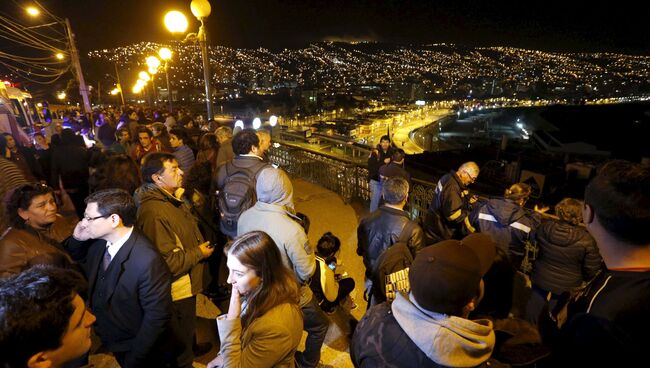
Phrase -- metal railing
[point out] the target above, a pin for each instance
(348, 179)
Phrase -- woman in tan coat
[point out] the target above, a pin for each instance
(263, 326)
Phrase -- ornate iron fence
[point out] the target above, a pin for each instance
(348, 179)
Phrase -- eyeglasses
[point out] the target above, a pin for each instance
(471, 178)
(90, 219)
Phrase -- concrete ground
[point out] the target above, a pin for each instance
(327, 212)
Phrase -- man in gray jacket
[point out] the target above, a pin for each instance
(273, 214)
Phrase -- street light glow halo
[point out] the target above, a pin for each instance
(273, 120)
(257, 123)
(176, 22)
(201, 8)
(33, 11)
(153, 62)
(165, 53)
(144, 76)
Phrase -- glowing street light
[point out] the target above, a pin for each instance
(165, 53)
(144, 76)
(257, 123)
(239, 124)
(273, 120)
(176, 22)
(61, 95)
(33, 11)
(153, 62)
(60, 56)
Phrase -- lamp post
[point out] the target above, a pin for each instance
(176, 22)
(166, 55)
(153, 63)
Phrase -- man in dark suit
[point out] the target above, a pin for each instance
(129, 282)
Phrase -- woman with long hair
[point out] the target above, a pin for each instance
(208, 149)
(264, 324)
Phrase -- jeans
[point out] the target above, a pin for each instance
(316, 324)
(375, 194)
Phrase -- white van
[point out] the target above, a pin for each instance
(18, 115)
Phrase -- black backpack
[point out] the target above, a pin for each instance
(393, 265)
(237, 195)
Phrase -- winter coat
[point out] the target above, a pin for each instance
(447, 217)
(507, 223)
(23, 248)
(269, 341)
(381, 229)
(567, 256)
(171, 227)
(290, 238)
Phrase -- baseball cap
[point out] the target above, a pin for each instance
(445, 276)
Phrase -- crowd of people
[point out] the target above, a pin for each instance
(119, 239)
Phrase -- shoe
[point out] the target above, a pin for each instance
(202, 348)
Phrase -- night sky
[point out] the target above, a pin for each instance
(547, 25)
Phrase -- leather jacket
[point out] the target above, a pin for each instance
(381, 229)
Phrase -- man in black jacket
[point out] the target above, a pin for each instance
(378, 157)
(382, 228)
(129, 282)
(448, 213)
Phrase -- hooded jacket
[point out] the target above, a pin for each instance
(506, 222)
(171, 227)
(567, 256)
(405, 335)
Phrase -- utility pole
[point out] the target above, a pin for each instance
(202, 36)
(119, 84)
(74, 57)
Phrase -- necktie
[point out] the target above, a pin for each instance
(107, 259)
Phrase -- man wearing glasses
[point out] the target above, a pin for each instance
(451, 204)
(129, 281)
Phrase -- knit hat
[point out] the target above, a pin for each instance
(445, 276)
(274, 187)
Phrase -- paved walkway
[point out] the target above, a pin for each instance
(327, 212)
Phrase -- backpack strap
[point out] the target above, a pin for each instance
(406, 232)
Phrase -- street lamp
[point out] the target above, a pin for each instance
(176, 22)
(59, 56)
(166, 55)
(74, 53)
(61, 96)
(153, 63)
(33, 11)
(273, 121)
(257, 123)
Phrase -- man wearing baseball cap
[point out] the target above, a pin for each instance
(428, 327)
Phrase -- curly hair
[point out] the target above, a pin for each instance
(21, 198)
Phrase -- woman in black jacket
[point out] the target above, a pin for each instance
(568, 257)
